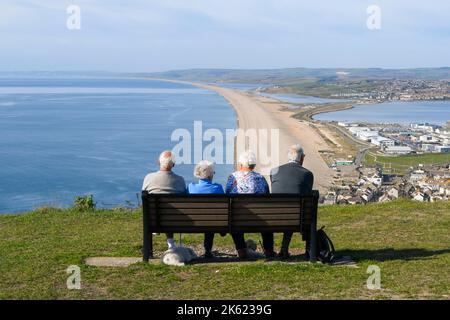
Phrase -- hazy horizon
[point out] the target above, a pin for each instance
(212, 68)
(161, 35)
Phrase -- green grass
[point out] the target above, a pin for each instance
(401, 164)
(409, 241)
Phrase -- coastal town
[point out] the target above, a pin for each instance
(362, 185)
(397, 139)
(394, 90)
(382, 181)
(378, 162)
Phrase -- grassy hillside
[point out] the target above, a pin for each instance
(297, 75)
(409, 241)
(402, 164)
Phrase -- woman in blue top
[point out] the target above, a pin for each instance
(204, 171)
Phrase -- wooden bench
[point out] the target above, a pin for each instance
(230, 213)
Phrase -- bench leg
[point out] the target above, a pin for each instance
(313, 242)
(150, 254)
(147, 245)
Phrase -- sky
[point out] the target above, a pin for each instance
(158, 35)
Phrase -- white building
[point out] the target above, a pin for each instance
(398, 150)
(382, 142)
(375, 180)
(367, 135)
(427, 138)
(422, 127)
(355, 130)
(444, 191)
(443, 149)
(428, 147)
(393, 193)
(417, 175)
(419, 196)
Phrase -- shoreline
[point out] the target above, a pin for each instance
(258, 112)
(336, 108)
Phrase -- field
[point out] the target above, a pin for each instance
(401, 164)
(409, 241)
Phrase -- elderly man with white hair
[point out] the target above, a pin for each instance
(204, 171)
(165, 181)
(291, 177)
(245, 180)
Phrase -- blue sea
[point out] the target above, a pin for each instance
(403, 112)
(60, 138)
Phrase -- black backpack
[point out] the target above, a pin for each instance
(325, 247)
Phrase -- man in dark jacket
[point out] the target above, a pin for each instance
(291, 177)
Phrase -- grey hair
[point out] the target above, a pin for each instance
(204, 170)
(295, 153)
(247, 159)
(166, 159)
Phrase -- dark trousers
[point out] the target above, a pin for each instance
(208, 242)
(267, 241)
(287, 236)
(238, 239)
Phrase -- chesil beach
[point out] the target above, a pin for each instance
(259, 112)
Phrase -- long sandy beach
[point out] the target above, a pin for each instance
(257, 112)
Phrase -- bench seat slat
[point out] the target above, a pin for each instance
(183, 211)
(251, 229)
(195, 199)
(224, 229)
(190, 229)
(189, 205)
(251, 205)
(241, 211)
(276, 217)
(266, 223)
(199, 217)
(253, 200)
(191, 217)
(162, 224)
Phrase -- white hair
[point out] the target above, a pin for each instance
(166, 159)
(247, 159)
(295, 153)
(204, 169)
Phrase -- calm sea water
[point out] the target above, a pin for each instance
(436, 112)
(60, 138)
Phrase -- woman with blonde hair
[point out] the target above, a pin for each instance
(204, 171)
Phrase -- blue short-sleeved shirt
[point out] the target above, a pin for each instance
(205, 186)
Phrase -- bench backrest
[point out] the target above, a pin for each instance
(197, 213)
